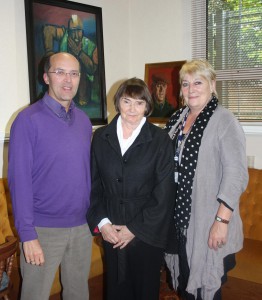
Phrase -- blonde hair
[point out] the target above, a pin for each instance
(199, 67)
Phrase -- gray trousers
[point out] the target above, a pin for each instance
(70, 247)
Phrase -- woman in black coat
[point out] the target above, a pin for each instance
(132, 196)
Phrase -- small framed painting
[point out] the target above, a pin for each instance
(163, 82)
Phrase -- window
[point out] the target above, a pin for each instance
(229, 34)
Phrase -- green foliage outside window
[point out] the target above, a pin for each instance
(234, 48)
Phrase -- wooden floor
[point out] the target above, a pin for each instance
(234, 289)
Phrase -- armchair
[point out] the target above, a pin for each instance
(7, 254)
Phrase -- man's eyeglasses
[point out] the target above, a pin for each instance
(63, 73)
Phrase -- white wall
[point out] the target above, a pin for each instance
(158, 33)
(254, 150)
(135, 33)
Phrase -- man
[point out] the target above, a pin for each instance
(49, 179)
(162, 108)
(72, 40)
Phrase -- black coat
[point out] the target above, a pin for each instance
(136, 189)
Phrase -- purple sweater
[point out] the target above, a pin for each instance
(49, 167)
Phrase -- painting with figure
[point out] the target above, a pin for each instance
(163, 82)
(64, 26)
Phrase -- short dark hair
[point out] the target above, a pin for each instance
(47, 63)
(135, 88)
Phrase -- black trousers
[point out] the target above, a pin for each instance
(140, 279)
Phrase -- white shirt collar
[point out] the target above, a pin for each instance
(126, 143)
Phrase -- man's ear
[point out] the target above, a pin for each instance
(46, 78)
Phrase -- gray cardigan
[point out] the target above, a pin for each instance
(221, 173)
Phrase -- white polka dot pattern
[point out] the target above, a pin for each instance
(189, 160)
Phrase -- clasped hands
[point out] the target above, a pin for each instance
(119, 235)
(74, 47)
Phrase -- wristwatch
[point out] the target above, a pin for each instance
(217, 218)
